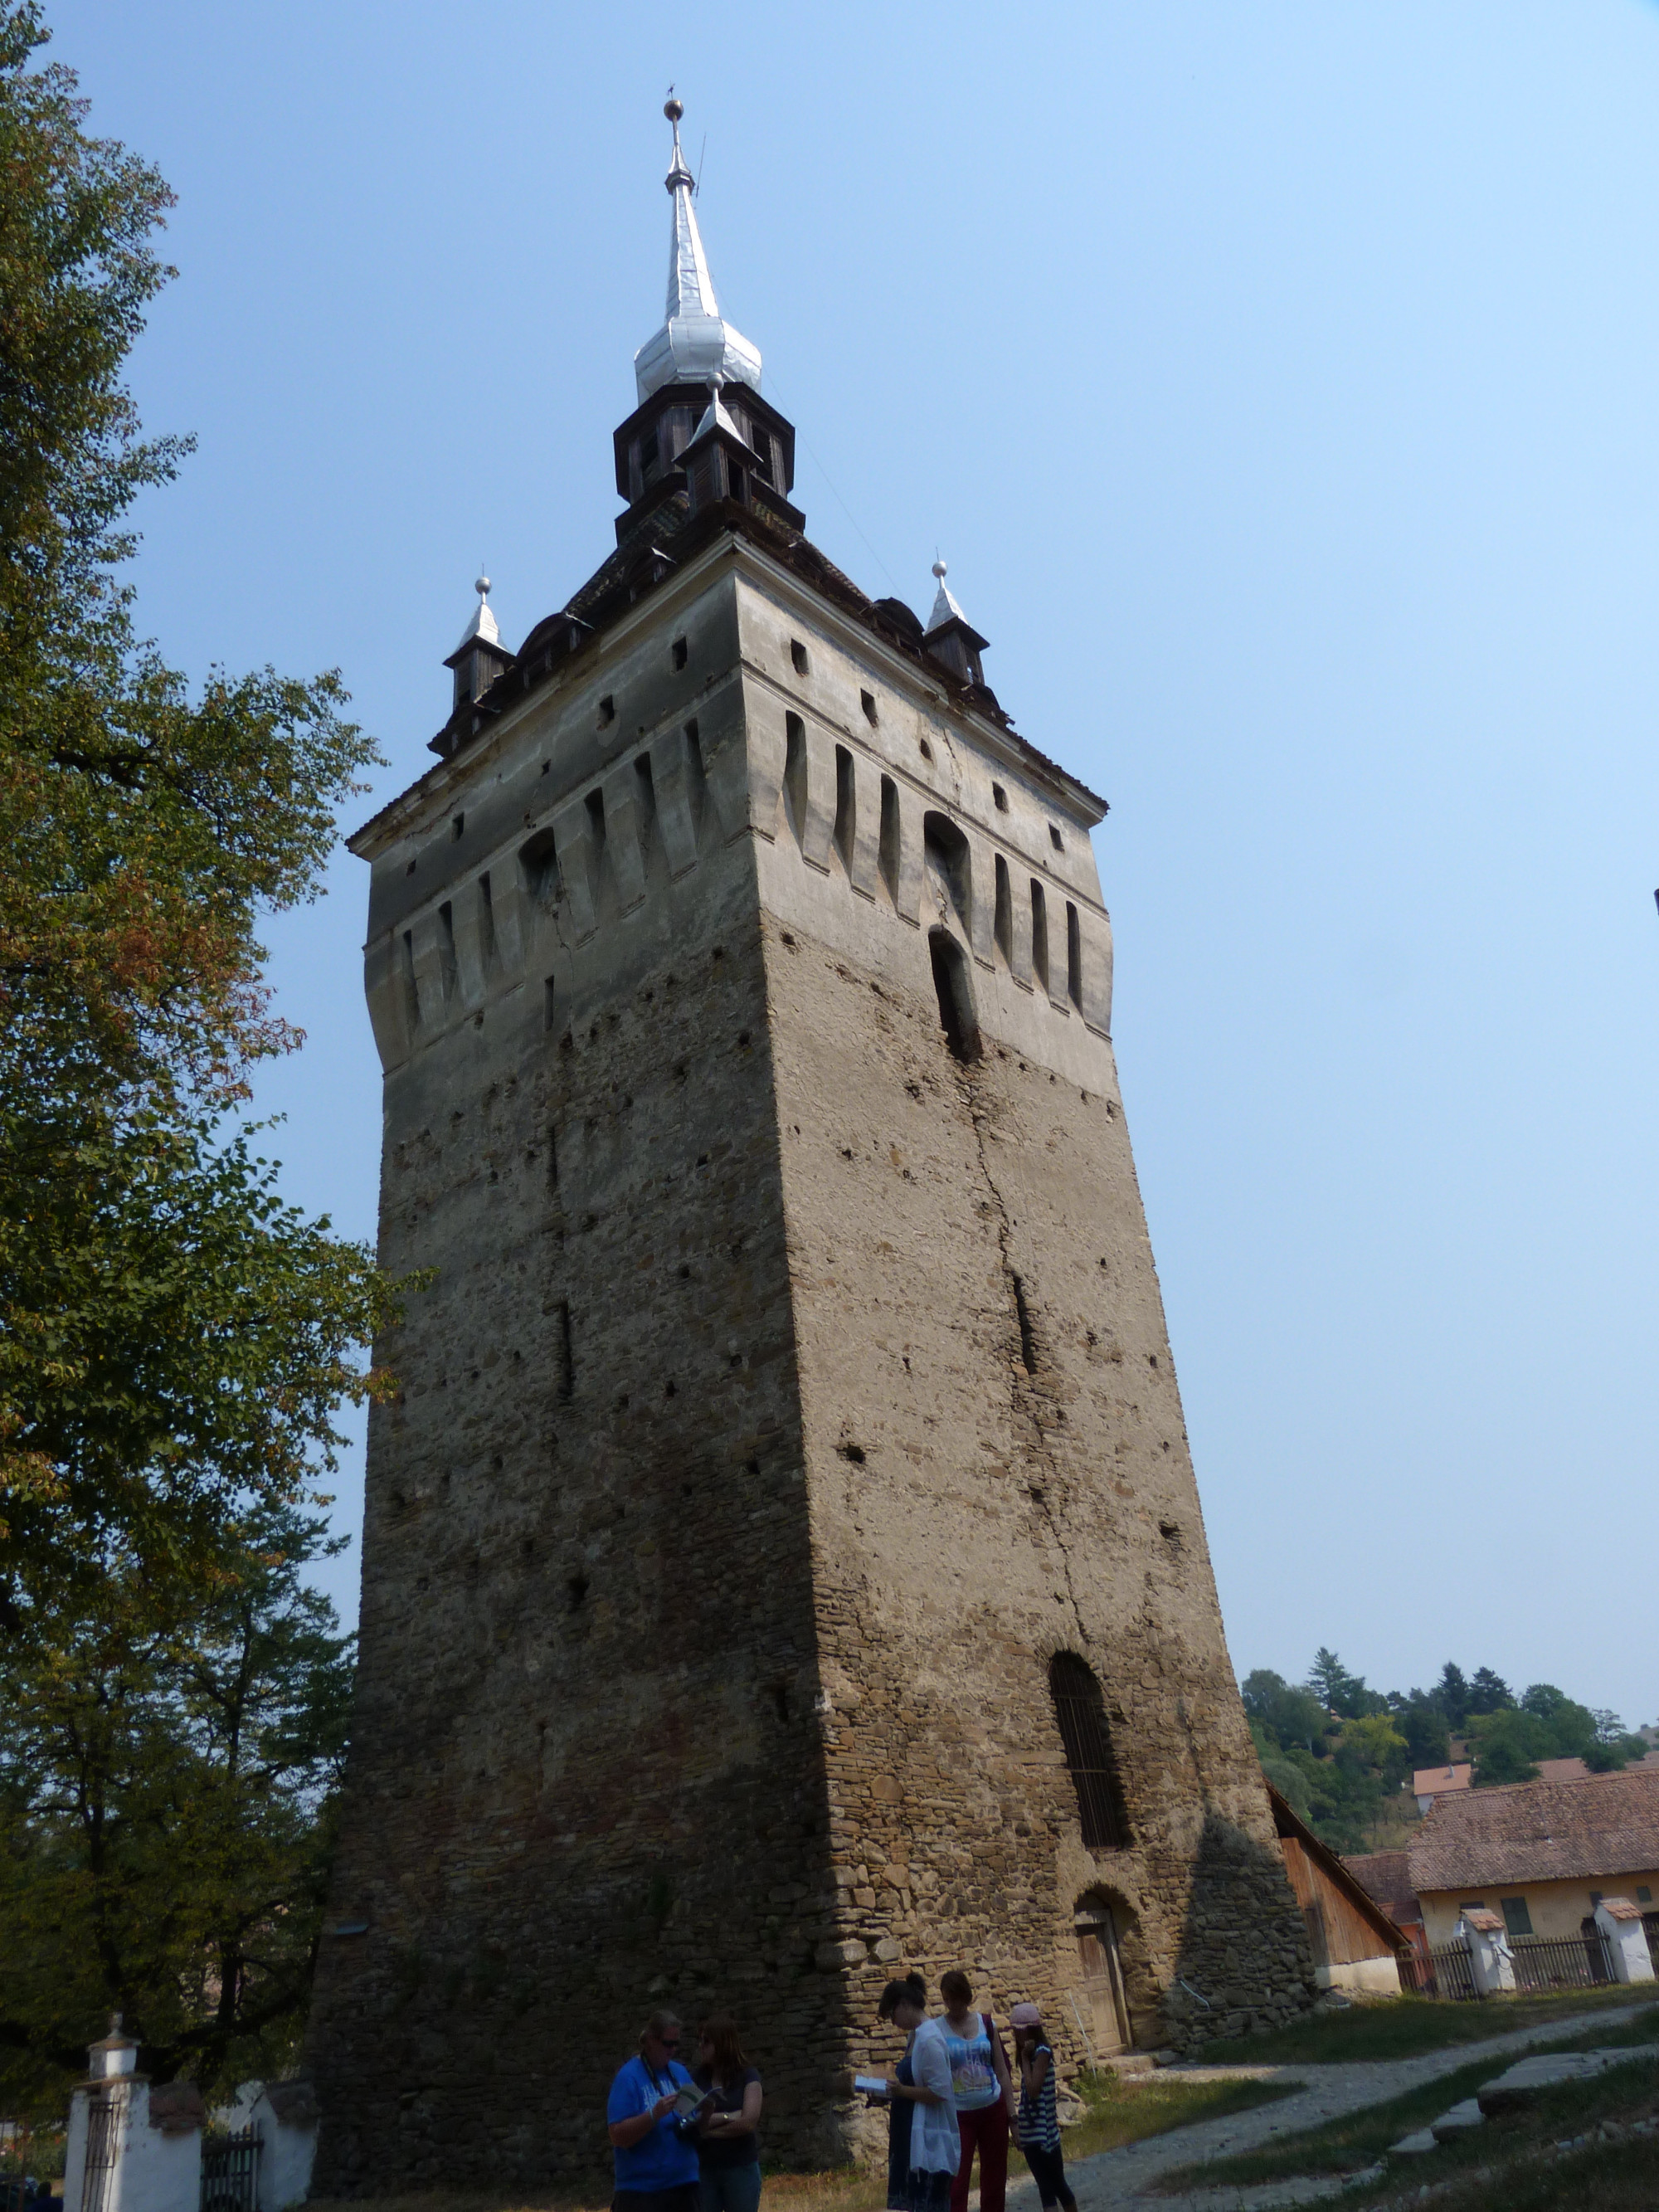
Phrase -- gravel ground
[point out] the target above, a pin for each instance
(1118, 2180)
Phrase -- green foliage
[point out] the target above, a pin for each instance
(1293, 1716)
(175, 1340)
(1339, 1752)
(166, 1773)
(145, 832)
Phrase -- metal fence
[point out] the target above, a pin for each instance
(230, 2172)
(103, 2121)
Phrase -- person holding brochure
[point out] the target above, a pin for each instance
(656, 2160)
(935, 2144)
(911, 1991)
(728, 2147)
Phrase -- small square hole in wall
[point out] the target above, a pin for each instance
(457, 825)
(798, 654)
(1000, 797)
(679, 652)
(867, 701)
(927, 751)
(409, 870)
(607, 710)
(1055, 838)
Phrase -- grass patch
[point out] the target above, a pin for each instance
(1124, 2109)
(1401, 2027)
(1511, 2164)
(1359, 2139)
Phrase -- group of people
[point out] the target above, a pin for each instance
(688, 2140)
(953, 2095)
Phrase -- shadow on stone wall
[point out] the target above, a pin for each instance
(1244, 1964)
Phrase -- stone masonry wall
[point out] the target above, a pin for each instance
(731, 1509)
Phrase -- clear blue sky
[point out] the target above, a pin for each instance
(1280, 384)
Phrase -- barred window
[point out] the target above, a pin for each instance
(1080, 1713)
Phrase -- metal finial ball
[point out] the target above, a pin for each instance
(481, 586)
(940, 570)
(672, 109)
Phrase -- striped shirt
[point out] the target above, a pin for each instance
(1037, 2121)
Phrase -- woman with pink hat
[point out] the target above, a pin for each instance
(1037, 2123)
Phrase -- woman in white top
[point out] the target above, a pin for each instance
(935, 2138)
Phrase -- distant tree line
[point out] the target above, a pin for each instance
(1337, 1751)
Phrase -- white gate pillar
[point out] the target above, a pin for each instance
(1620, 1923)
(285, 2120)
(1491, 1960)
(131, 2149)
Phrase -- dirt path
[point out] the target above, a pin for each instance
(1117, 2180)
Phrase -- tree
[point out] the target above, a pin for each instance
(145, 832)
(178, 1341)
(1373, 1743)
(1293, 1716)
(1451, 1694)
(1507, 1744)
(165, 1784)
(1423, 1725)
(1488, 1692)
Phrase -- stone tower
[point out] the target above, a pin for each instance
(783, 1558)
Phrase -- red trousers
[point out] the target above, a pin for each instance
(986, 2131)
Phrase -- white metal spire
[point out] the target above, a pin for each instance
(482, 623)
(944, 606)
(694, 344)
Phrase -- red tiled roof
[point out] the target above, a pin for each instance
(1605, 1824)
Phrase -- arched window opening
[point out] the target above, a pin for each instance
(956, 996)
(1080, 1713)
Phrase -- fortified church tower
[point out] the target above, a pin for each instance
(783, 1558)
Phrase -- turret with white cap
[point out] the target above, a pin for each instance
(950, 636)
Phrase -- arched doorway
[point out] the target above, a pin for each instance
(1100, 1955)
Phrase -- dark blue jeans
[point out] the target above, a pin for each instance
(731, 2188)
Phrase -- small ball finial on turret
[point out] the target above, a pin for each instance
(941, 570)
(672, 107)
(481, 586)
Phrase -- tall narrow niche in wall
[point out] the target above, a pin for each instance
(647, 792)
(447, 949)
(1039, 933)
(1003, 926)
(955, 991)
(794, 774)
(1080, 1716)
(845, 807)
(486, 922)
(945, 856)
(1073, 957)
(888, 853)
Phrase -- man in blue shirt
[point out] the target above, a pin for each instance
(656, 2164)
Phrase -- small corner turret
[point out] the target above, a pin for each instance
(476, 661)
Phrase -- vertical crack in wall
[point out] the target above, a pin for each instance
(1021, 1398)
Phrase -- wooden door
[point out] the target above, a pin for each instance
(1103, 1982)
